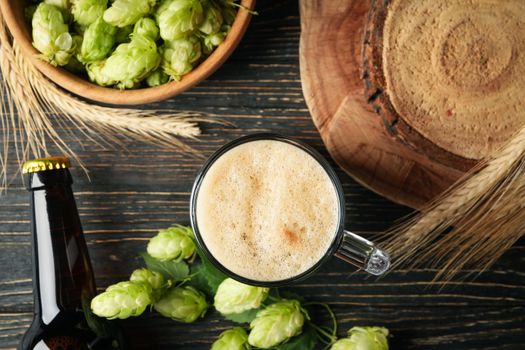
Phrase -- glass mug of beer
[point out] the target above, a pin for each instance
(268, 210)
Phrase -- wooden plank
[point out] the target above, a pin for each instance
(336, 283)
(480, 328)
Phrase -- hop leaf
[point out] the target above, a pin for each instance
(157, 78)
(234, 297)
(86, 12)
(183, 304)
(156, 281)
(175, 243)
(212, 18)
(179, 18)
(206, 277)
(178, 56)
(98, 41)
(146, 27)
(307, 340)
(51, 35)
(125, 12)
(363, 338)
(128, 65)
(176, 271)
(232, 339)
(122, 300)
(276, 324)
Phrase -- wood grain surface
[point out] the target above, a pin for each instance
(136, 191)
(337, 78)
(462, 136)
(344, 70)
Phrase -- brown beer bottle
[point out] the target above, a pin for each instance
(63, 282)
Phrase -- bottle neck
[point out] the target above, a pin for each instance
(63, 278)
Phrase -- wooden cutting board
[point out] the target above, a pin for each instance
(344, 88)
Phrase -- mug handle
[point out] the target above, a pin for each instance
(363, 254)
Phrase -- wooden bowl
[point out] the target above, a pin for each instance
(13, 12)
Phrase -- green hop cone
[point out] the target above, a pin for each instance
(210, 42)
(232, 339)
(63, 4)
(122, 300)
(99, 39)
(276, 324)
(179, 56)
(175, 243)
(212, 18)
(86, 12)
(98, 73)
(233, 297)
(183, 304)
(156, 281)
(153, 278)
(343, 344)
(125, 12)
(77, 42)
(363, 338)
(74, 65)
(157, 78)
(128, 65)
(51, 35)
(146, 27)
(179, 18)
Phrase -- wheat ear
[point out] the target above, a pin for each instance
(486, 210)
(32, 106)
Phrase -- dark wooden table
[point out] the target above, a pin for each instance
(137, 191)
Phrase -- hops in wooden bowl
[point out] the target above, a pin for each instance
(127, 51)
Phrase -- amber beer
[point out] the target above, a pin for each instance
(272, 218)
(63, 279)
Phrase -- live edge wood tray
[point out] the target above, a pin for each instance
(408, 95)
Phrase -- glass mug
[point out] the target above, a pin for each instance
(345, 245)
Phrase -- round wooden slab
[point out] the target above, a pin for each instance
(398, 156)
(447, 77)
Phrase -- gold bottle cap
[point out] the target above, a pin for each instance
(44, 164)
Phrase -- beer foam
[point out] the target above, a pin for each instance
(267, 210)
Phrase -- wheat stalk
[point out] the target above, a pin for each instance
(32, 105)
(97, 120)
(486, 209)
